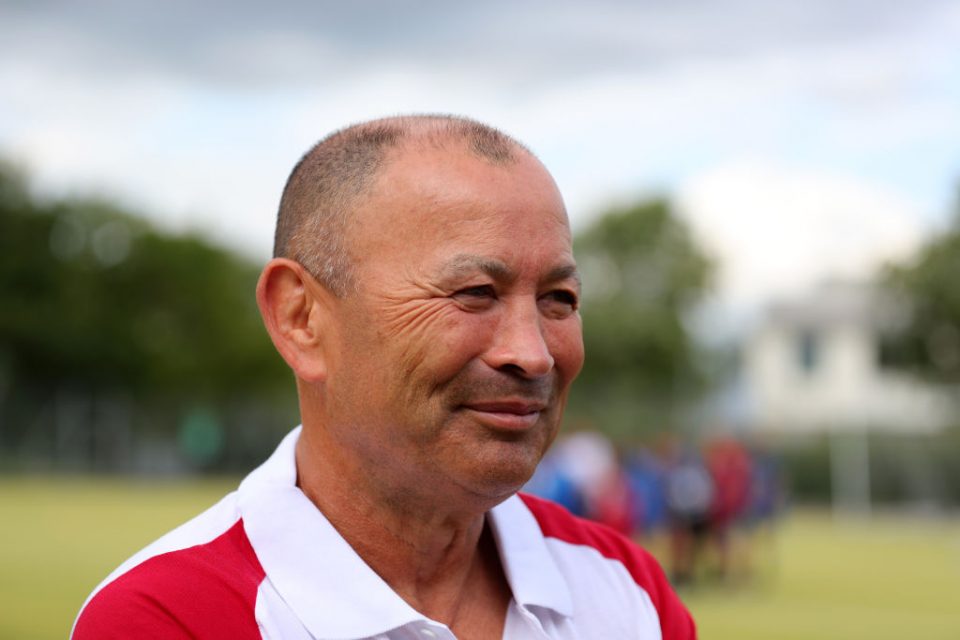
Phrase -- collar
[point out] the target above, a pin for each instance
(332, 590)
(534, 577)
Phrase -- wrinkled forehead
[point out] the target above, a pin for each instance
(432, 200)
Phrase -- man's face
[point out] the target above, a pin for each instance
(459, 347)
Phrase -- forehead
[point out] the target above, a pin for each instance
(431, 200)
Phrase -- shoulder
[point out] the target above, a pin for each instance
(558, 523)
(207, 589)
(595, 547)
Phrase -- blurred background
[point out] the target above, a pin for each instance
(767, 216)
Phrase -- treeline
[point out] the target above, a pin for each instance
(643, 275)
(927, 341)
(102, 314)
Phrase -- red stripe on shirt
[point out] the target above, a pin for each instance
(207, 591)
(556, 522)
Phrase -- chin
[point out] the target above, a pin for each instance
(505, 475)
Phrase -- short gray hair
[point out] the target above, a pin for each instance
(324, 186)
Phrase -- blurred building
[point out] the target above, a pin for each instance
(816, 364)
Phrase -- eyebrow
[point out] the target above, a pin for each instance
(565, 272)
(465, 263)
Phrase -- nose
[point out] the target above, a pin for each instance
(519, 346)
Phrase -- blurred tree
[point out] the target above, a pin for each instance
(642, 274)
(927, 340)
(93, 293)
(93, 298)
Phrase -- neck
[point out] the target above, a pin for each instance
(441, 561)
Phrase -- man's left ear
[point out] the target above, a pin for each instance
(296, 313)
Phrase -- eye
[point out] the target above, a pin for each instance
(476, 297)
(559, 303)
(479, 291)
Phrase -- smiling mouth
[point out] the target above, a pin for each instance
(507, 415)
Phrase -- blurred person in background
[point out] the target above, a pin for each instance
(731, 471)
(424, 293)
(689, 493)
(645, 475)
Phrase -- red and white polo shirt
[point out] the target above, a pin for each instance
(265, 563)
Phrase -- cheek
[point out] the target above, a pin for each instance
(565, 341)
(453, 346)
(439, 344)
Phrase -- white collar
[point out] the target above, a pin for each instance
(332, 590)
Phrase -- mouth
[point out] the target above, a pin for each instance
(507, 415)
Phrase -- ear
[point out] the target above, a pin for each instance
(296, 312)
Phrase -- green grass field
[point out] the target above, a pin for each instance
(891, 577)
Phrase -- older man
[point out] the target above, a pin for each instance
(425, 295)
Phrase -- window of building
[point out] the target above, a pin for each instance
(808, 351)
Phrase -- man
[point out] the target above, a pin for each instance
(425, 295)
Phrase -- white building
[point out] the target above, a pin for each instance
(814, 365)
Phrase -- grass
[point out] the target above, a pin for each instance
(60, 537)
(887, 577)
(816, 578)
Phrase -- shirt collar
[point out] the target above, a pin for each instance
(333, 591)
(529, 566)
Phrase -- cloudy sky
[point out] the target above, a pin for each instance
(801, 139)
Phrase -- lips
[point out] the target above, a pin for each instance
(507, 414)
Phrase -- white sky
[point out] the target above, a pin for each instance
(802, 139)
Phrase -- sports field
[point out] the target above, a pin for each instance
(815, 578)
